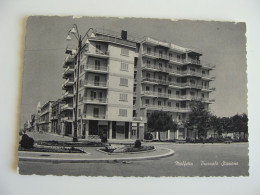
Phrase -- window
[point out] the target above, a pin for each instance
(98, 48)
(147, 88)
(147, 102)
(160, 77)
(80, 83)
(192, 93)
(169, 79)
(79, 112)
(169, 92)
(100, 95)
(123, 97)
(169, 104)
(93, 95)
(124, 67)
(147, 75)
(203, 72)
(148, 62)
(192, 69)
(123, 82)
(124, 52)
(159, 103)
(97, 65)
(178, 80)
(170, 55)
(177, 105)
(177, 92)
(159, 90)
(122, 112)
(170, 66)
(80, 99)
(203, 95)
(160, 65)
(160, 53)
(96, 112)
(148, 50)
(178, 58)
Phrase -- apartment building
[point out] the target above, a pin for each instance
(56, 117)
(45, 117)
(123, 80)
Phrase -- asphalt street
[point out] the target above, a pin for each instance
(189, 160)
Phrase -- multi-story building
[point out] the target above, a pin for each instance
(56, 117)
(45, 117)
(123, 80)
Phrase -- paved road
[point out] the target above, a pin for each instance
(187, 161)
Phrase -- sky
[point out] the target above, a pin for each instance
(222, 43)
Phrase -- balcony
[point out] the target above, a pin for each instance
(97, 53)
(208, 66)
(206, 88)
(191, 85)
(152, 67)
(67, 94)
(99, 101)
(154, 94)
(68, 82)
(175, 60)
(96, 68)
(166, 108)
(155, 55)
(94, 117)
(154, 81)
(69, 60)
(175, 85)
(176, 97)
(95, 84)
(191, 73)
(68, 71)
(174, 72)
(67, 119)
(208, 77)
(192, 61)
(67, 107)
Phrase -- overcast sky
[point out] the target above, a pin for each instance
(222, 43)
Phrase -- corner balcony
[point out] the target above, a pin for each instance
(97, 53)
(192, 61)
(68, 71)
(208, 66)
(67, 107)
(97, 101)
(175, 60)
(155, 55)
(154, 81)
(207, 89)
(191, 73)
(69, 60)
(94, 117)
(154, 94)
(67, 94)
(152, 67)
(68, 82)
(208, 77)
(95, 84)
(96, 68)
(166, 108)
(67, 119)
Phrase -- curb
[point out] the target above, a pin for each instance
(102, 160)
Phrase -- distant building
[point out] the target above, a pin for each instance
(56, 117)
(45, 117)
(123, 80)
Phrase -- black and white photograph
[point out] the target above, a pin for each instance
(146, 97)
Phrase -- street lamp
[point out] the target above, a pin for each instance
(79, 38)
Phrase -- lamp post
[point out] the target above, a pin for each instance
(79, 38)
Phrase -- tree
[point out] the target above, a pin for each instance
(199, 117)
(160, 121)
(215, 124)
(239, 124)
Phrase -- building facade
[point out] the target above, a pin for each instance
(123, 80)
(56, 117)
(45, 117)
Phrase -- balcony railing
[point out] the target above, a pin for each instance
(94, 100)
(68, 82)
(99, 52)
(68, 106)
(69, 69)
(70, 59)
(155, 67)
(67, 118)
(156, 94)
(67, 94)
(167, 108)
(158, 81)
(97, 84)
(96, 68)
(94, 116)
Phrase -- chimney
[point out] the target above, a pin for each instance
(124, 35)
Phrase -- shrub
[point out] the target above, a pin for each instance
(138, 143)
(148, 136)
(26, 142)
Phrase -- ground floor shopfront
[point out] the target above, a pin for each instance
(109, 129)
